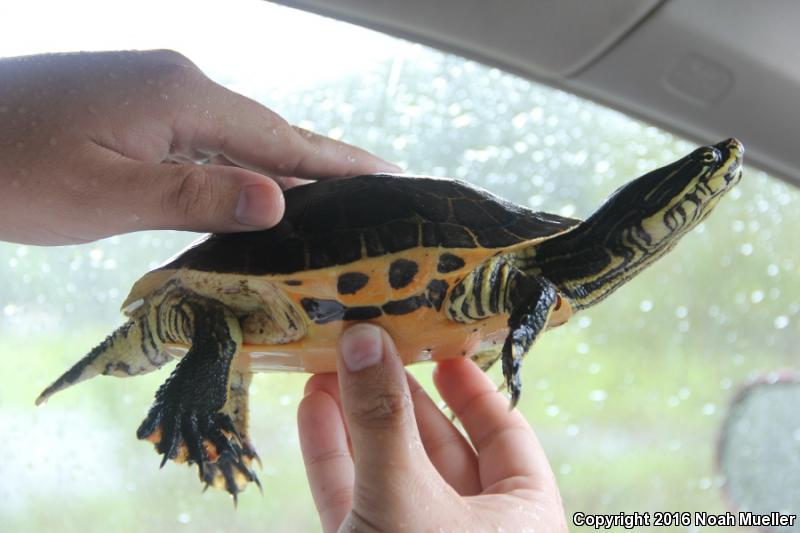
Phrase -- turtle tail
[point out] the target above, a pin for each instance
(130, 350)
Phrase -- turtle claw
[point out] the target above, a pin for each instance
(224, 459)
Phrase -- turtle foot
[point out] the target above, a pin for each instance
(210, 440)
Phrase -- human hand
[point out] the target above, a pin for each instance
(84, 139)
(381, 456)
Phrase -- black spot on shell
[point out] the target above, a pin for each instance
(293, 282)
(437, 289)
(406, 305)
(402, 272)
(322, 311)
(449, 262)
(361, 313)
(351, 282)
(325, 311)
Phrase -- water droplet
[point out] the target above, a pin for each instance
(552, 410)
(673, 401)
(645, 306)
(709, 409)
(756, 296)
(746, 249)
(602, 167)
(184, 518)
(567, 211)
(598, 395)
(781, 321)
(351, 159)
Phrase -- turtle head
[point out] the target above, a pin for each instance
(640, 222)
(676, 198)
(655, 210)
(719, 170)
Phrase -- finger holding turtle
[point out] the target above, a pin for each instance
(407, 457)
(97, 144)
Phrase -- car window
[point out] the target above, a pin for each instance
(627, 398)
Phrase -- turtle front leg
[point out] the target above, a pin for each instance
(495, 287)
(537, 297)
(192, 418)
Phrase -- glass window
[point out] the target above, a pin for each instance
(627, 398)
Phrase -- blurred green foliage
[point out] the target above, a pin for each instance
(627, 398)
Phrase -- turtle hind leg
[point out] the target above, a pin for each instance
(130, 350)
(227, 472)
(189, 422)
(526, 322)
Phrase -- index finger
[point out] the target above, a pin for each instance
(252, 136)
(509, 454)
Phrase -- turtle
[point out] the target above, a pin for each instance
(449, 269)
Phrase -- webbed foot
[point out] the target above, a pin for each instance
(210, 440)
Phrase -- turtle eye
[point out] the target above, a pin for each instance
(711, 156)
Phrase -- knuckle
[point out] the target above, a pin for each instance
(171, 70)
(191, 193)
(166, 55)
(385, 409)
(335, 498)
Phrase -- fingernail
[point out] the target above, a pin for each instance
(361, 347)
(256, 206)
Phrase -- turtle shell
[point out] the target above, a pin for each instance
(336, 222)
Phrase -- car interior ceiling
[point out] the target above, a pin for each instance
(705, 70)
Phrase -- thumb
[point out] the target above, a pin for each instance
(213, 198)
(387, 450)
